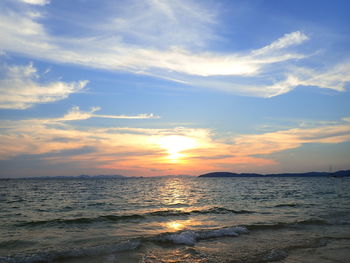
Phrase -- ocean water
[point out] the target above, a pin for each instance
(175, 219)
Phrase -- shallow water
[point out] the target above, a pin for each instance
(176, 219)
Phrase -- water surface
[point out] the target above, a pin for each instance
(176, 219)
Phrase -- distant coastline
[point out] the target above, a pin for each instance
(83, 176)
(341, 173)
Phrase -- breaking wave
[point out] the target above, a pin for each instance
(184, 237)
(187, 237)
(190, 237)
(133, 217)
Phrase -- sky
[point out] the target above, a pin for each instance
(160, 87)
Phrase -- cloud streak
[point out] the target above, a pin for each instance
(20, 88)
(334, 78)
(35, 2)
(268, 143)
(76, 114)
(140, 42)
(291, 39)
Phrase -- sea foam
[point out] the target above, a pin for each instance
(190, 237)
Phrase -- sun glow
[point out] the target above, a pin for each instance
(175, 145)
(175, 225)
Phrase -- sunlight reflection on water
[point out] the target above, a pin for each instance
(175, 225)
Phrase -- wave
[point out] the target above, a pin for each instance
(15, 243)
(221, 210)
(168, 213)
(190, 237)
(187, 237)
(15, 201)
(72, 253)
(314, 222)
(280, 225)
(116, 218)
(293, 205)
(184, 237)
(288, 205)
(213, 210)
(82, 220)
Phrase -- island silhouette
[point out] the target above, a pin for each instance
(341, 173)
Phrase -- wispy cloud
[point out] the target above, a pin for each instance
(347, 119)
(149, 45)
(154, 38)
(160, 24)
(334, 78)
(36, 2)
(291, 39)
(20, 88)
(271, 142)
(76, 114)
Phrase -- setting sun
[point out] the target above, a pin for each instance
(176, 144)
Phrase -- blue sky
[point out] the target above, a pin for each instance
(161, 87)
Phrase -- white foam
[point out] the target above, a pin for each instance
(191, 237)
(186, 238)
(219, 233)
(276, 255)
(240, 229)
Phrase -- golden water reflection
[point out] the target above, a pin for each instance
(176, 193)
(175, 226)
(178, 225)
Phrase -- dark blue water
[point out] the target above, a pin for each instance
(176, 219)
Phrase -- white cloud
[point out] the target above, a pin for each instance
(154, 38)
(167, 50)
(271, 142)
(334, 78)
(76, 114)
(139, 116)
(20, 32)
(20, 88)
(111, 54)
(294, 38)
(36, 2)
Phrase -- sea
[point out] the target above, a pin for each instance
(175, 219)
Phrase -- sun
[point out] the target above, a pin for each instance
(175, 145)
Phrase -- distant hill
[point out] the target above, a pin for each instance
(308, 174)
(341, 173)
(83, 176)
